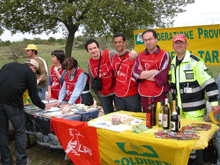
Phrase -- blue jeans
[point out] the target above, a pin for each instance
(107, 103)
(41, 92)
(17, 117)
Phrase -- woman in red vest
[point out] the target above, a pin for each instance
(54, 80)
(75, 89)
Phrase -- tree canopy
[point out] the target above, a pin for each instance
(98, 17)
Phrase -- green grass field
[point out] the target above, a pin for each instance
(80, 55)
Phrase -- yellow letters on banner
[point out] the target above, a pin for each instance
(203, 41)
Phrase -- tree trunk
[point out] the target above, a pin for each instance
(70, 40)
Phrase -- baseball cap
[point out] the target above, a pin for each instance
(31, 47)
(179, 37)
(33, 62)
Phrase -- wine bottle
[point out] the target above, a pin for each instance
(153, 112)
(174, 124)
(166, 114)
(149, 119)
(178, 113)
(157, 112)
(160, 121)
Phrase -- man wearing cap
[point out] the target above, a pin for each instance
(151, 70)
(15, 78)
(189, 80)
(42, 72)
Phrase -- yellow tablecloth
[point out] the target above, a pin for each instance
(130, 148)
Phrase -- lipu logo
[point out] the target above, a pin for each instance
(142, 150)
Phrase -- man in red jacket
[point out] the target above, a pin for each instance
(126, 88)
(151, 70)
(106, 74)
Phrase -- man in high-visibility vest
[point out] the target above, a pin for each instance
(189, 80)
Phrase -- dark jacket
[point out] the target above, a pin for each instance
(15, 78)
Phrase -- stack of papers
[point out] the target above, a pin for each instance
(126, 122)
(108, 125)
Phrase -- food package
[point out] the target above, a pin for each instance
(66, 110)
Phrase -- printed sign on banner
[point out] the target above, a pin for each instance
(203, 41)
(78, 140)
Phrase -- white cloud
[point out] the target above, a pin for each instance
(202, 12)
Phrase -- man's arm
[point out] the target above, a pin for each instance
(139, 72)
(133, 55)
(207, 82)
(62, 93)
(218, 83)
(161, 77)
(42, 69)
(32, 90)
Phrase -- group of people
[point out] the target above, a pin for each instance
(125, 79)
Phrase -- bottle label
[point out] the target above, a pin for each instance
(148, 118)
(160, 119)
(173, 126)
(165, 120)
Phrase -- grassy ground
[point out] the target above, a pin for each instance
(44, 155)
(41, 155)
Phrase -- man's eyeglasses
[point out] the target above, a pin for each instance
(149, 39)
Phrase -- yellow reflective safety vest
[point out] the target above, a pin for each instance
(189, 81)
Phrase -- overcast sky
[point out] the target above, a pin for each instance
(202, 12)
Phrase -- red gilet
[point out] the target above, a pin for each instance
(55, 83)
(150, 61)
(125, 84)
(70, 85)
(106, 73)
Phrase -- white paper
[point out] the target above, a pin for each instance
(108, 125)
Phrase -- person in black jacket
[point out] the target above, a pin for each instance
(15, 78)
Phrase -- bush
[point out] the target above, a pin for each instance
(47, 43)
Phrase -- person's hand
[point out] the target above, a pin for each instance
(216, 109)
(55, 69)
(65, 105)
(140, 67)
(56, 104)
(133, 55)
(48, 96)
(48, 106)
(151, 79)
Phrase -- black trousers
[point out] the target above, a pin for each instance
(17, 117)
(131, 103)
(198, 160)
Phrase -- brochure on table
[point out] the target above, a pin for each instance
(56, 111)
(126, 122)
